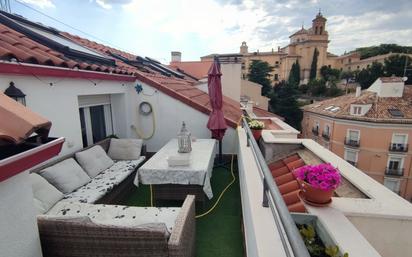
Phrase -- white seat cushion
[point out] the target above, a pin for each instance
(94, 160)
(66, 175)
(45, 194)
(117, 215)
(125, 149)
(104, 182)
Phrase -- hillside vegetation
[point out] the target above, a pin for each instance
(366, 52)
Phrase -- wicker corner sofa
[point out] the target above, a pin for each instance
(80, 237)
(65, 238)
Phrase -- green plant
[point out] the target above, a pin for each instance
(255, 124)
(315, 246)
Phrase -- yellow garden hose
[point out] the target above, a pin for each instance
(222, 193)
(140, 133)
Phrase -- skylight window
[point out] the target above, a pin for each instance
(329, 108)
(396, 113)
(61, 40)
(335, 109)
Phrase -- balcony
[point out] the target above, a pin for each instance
(354, 164)
(326, 135)
(394, 172)
(393, 147)
(315, 131)
(352, 143)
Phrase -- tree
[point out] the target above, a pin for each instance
(329, 74)
(317, 87)
(284, 103)
(314, 65)
(259, 72)
(294, 75)
(367, 76)
(395, 65)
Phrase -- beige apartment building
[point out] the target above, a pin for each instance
(371, 129)
(301, 48)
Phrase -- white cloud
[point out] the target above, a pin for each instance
(104, 4)
(40, 3)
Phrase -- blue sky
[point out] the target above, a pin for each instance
(198, 27)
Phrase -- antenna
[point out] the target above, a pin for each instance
(5, 6)
(406, 64)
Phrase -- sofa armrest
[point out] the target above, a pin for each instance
(182, 240)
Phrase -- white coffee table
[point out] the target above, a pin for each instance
(156, 171)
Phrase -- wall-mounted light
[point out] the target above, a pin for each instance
(15, 93)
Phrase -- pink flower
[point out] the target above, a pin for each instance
(323, 176)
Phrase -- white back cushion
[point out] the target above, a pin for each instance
(45, 194)
(125, 149)
(66, 175)
(94, 160)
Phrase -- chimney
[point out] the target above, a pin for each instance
(358, 91)
(176, 56)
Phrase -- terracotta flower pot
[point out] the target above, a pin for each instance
(316, 195)
(257, 133)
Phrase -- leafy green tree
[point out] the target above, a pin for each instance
(329, 74)
(395, 65)
(367, 76)
(317, 87)
(259, 72)
(284, 103)
(314, 65)
(347, 76)
(294, 75)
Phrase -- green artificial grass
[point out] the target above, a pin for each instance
(219, 233)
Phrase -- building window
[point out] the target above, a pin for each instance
(395, 166)
(95, 118)
(276, 77)
(351, 156)
(399, 143)
(350, 60)
(357, 110)
(393, 184)
(352, 137)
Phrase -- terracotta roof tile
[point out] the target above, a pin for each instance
(377, 113)
(263, 113)
(286, 181)
(16, 45)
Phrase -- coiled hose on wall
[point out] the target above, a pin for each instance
(141, 111)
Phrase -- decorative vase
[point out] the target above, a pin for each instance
(316, 195)
(257, 133)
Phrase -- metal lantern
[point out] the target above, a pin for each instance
(184, 140)
(15, 93)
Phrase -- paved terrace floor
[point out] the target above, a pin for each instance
(218, 233)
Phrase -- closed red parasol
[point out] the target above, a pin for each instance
(216, 123)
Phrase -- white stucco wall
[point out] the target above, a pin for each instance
(59, 104)
(19, 235)
(169, 114)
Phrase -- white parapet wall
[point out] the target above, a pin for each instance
(384, 218)
(19, 236)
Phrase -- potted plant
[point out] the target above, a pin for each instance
(318, 182)
(256, 128)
